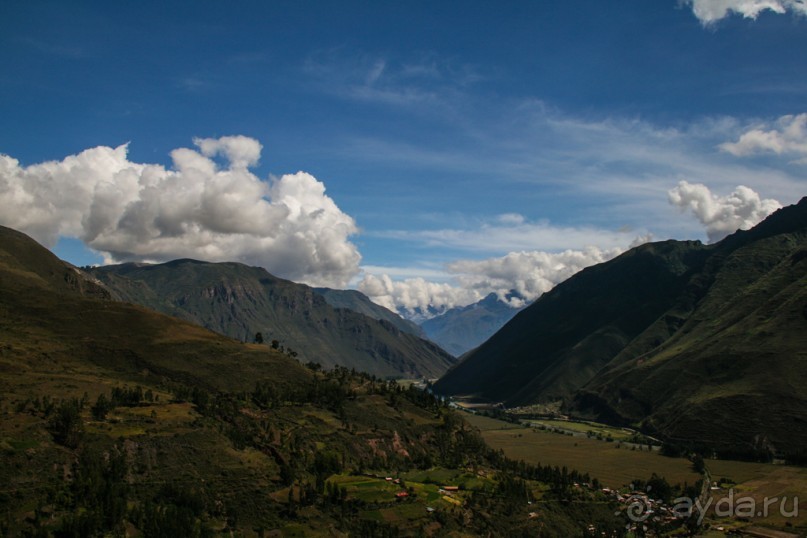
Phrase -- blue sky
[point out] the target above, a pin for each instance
(470, 144)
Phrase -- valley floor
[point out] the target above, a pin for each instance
(617, 464)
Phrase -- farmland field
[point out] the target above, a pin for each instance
(613, 466)
(764, 480)
(618, 434)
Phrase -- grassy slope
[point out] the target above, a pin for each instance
(75, 332)
(739, 357)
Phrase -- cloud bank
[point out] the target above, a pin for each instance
(209, 206)
(528, 273)
(722, 215)
(787, 136)
(711, 11)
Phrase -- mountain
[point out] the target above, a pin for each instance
(696, 343)
(116, 420)
(358, 302)
(461, 329)
(57, 317)
(241, 301)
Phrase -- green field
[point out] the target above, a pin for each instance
(423, 486)
(613, 466)
(617, 434)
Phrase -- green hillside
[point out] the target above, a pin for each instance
(696, 343)
(241, 301)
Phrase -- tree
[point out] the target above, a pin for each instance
(101, 408)
(66, 424)
(258, 338)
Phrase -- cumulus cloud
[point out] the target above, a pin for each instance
(722, 215)
(528, 273)
(710, 11)
(241, 151)
(788, 136)
(415, 295)
(200, 209)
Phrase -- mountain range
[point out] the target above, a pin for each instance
(241, 301)
(461, 329)
(695, 343)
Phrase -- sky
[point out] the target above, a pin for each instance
(425, 153)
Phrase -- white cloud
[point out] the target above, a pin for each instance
(722, 215)
(787, 136)
(528, 273)
(131, 211)
(710, 11)
(241, 151)
(415, 294)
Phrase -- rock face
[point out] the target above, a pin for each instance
(241, 301)
(693, 342)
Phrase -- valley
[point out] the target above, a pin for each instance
(120, 419)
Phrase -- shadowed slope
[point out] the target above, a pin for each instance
(695, 343)
(240, 301)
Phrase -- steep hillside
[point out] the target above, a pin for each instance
(358, 302)
(241, 301)
(735, 371)
(692, 342)
(53, 315)
(556, 345)
(30, 266)
(461, 329)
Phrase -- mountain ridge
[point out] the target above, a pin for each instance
(668, 337)
(241, 301)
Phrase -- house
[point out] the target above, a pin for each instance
(402, 494)
(451, 488)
